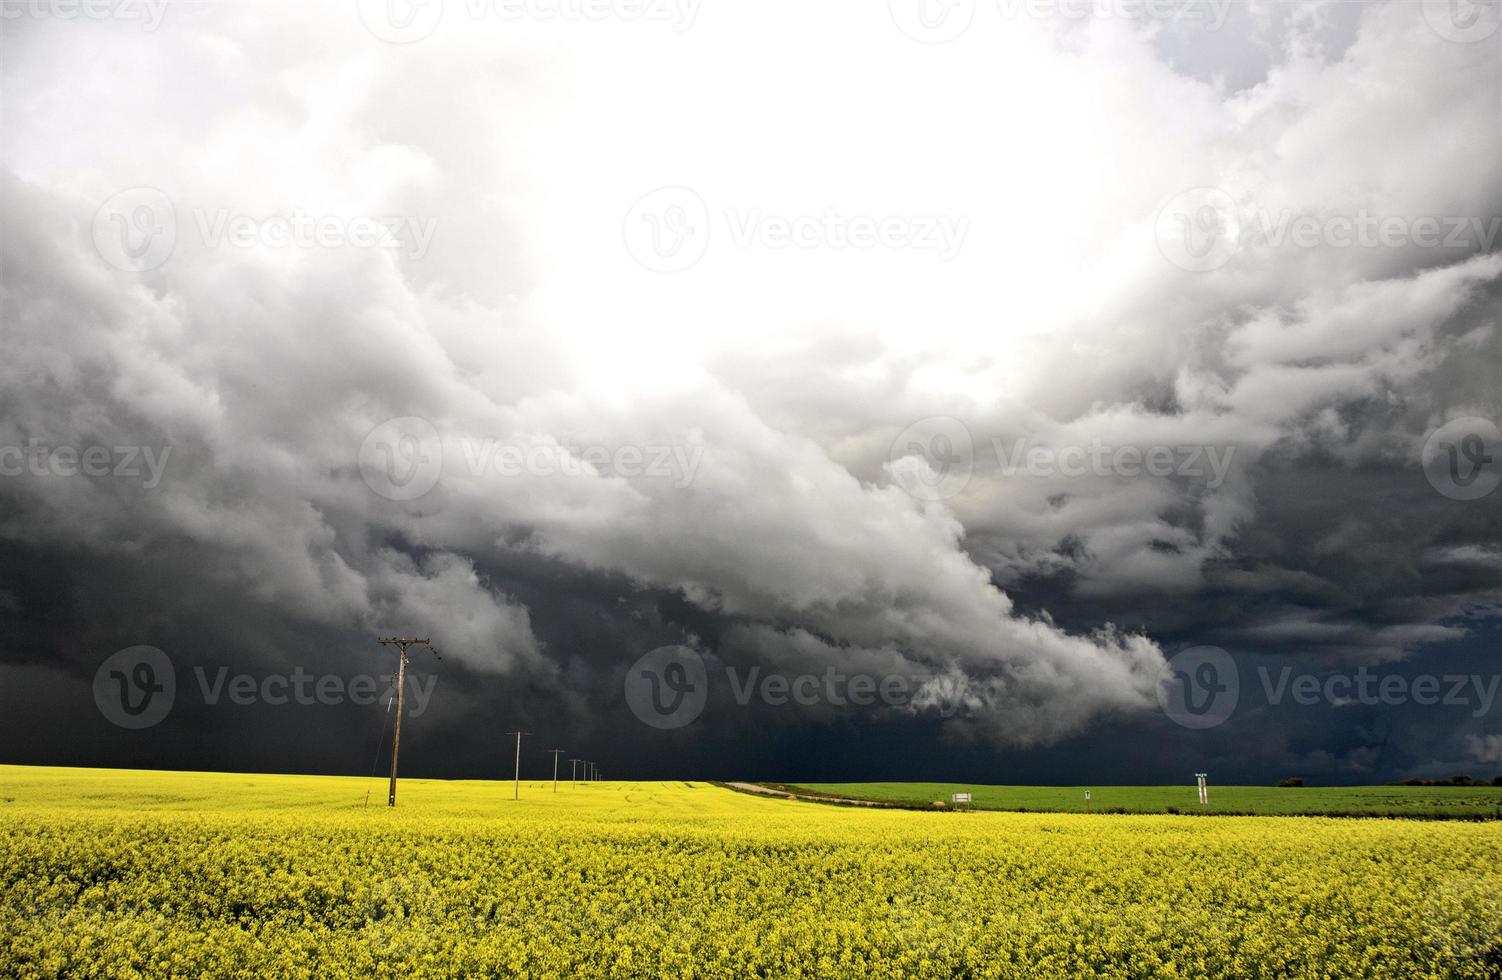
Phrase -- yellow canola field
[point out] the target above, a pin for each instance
(108, 873)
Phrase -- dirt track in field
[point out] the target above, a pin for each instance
(806, 797)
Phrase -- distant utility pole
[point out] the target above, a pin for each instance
(516, 792)
(401, 643)
(556, 754)
(574, 772)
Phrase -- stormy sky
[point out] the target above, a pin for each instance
(1012, 360)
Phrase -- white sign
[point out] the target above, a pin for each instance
(961, 798)
(1087, 794)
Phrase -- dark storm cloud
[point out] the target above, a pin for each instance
(622, 461)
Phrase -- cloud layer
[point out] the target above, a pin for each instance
(759, 510)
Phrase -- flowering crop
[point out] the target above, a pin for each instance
(132, 874)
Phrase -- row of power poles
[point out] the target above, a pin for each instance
(589, 772)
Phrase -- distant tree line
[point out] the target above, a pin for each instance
(1462, 779)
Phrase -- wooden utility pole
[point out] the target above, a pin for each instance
(516, 792)
(401, 644)
(556, 754)
(574, 772)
